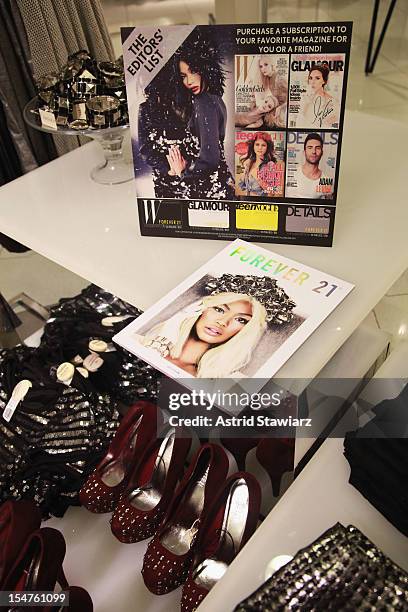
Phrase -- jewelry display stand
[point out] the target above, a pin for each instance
(115, 169)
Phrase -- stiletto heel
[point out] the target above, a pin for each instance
(169, 555)
(142, 506)
(102, 490)
(231, 521)
(18, 519)
(39, 565)
(62, 580)
(239, 448)
(79, 601)
(276, 455)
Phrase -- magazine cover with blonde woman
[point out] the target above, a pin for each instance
(243, 314)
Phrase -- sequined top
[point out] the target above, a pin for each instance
(59, 431)
(208, 175)
(54, 435)
(159, 129)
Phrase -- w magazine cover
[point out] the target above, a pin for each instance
(243, 314)
(183, 144)
(262, 85)
(212, 112)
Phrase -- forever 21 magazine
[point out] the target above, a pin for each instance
(241, 315)
(237, 129)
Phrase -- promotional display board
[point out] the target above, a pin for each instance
(237, 129)
(242, 314)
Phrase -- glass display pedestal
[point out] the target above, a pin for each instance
(115, 169)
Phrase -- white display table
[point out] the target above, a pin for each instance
(317, 499)
(320, 497)
(92, 230)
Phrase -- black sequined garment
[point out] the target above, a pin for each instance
(340, 571)
(57, 432)
(93, 298)
(159, 129)
(208, 175)
(378, 458)
(74, 322)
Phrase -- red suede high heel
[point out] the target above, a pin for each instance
(276, 455)
(79, 601)
(18, 519)
(230, 522)
(38, 566)
(239, 448)
(169, 555)
(143, 504)
(138, 428)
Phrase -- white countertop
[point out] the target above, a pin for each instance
(317, 499)
(93, 230)
(320, 497)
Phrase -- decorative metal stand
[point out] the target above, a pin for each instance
(15, 329)
(370, 62)
(115, 169)
(8, 318)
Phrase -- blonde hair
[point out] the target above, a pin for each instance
(229, 357)
(268, 82)
(275, 83)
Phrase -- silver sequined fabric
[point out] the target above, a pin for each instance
(54, 436)
(266, 290)
(75, 320)
(340, 571)
(59, 432)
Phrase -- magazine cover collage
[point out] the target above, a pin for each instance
(236, 130)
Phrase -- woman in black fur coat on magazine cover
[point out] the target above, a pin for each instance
(182, 130)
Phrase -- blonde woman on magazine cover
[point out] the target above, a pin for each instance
(273, 85)
(268, 109)
(212, 338)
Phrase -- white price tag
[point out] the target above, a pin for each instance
(83, 372)
(65, 372)
(110, 321)
(48, 120)
(87, 75)
(98, 346)
(92, 362)
(18, 394)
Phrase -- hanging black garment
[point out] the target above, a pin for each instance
(31, 148)
(379, 460)
(340, 571)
